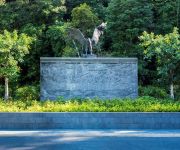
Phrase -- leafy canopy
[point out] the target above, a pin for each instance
(166, 49)
(127, 19)
(13, 48)
(84, 18)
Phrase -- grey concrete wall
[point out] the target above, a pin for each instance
(89, 120)
(89, 78)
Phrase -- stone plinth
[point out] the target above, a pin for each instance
(105, 78)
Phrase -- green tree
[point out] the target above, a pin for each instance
(15, 15)
(13, 48)
(29, 73)
(33, 18)
(166, 50)
(98, 6)
(84, 19)
(127, 19)
(56, 35)
(165, 15)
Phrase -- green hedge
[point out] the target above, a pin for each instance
(142, 104)
(27, 92)
(153, 91)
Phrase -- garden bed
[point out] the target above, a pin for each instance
(142, 104)
(142, 113)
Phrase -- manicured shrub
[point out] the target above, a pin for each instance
(27, 93)
(153, 92)
(142, 104)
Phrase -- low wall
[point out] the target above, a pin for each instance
(106, 78)
(89, 121)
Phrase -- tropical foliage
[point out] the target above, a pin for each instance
(13, 48)
(143, 104)
(45, 23)
(166, 50)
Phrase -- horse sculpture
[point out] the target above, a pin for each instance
(87, 44)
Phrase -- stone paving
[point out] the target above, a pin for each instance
(90, 140)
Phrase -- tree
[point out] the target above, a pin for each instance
(13, 48)
(98, 6)
(56, 35)
(166, 50)
(15, 15)
(127, 19)
(165, 15)
(32, 17)
(84, 19)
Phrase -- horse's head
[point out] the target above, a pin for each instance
(98, 32)
(102, 26)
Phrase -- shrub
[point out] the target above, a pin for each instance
(153, 92)
(141, 104)
(27, 93)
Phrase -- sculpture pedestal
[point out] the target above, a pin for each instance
(105, 78)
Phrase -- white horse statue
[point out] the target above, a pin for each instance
(87, 44)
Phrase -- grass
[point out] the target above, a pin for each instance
(142, 104)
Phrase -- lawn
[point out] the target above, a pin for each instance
(141, 104)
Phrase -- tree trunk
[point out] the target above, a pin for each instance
(172, 90)
(171, 84)
(6, 97)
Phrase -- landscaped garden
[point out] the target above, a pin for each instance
(90, 74)
(33, 29)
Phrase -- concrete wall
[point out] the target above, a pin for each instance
(89, 78)
(89, 120)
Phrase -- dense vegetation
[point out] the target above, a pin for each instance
(143, 104)
(40, 26)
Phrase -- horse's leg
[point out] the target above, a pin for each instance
(86, 49)
(90, 46)
(76, 48)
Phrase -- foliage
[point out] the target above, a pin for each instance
(166, 50)
(84, 19)
(13, 48)
(30, 66)
(11, 90)
(69, 52)
(126, 21)
(98, 6)
(166, 15)
(142, 104)
(56, 35)
(1, 91)
(46, 21)
(15, 15)
(32, 18)
(152, 91)
(27, 93)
